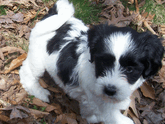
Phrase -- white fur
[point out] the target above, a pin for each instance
(94, 106)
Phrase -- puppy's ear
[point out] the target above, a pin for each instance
(95, 40)
(152, 53)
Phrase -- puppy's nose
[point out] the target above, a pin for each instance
(110, 90)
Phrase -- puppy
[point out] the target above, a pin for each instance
(100, 67)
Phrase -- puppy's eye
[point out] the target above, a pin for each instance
(129, 69)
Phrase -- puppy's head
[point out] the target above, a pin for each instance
(123, 59)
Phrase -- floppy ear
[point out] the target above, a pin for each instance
(152, 55)
(95, 39)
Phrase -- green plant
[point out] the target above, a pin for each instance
(35, 107)
(31, 97)
(43, 108)
(43, 121)
(2, 10)
(86, 11)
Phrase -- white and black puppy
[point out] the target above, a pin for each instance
(100, 67)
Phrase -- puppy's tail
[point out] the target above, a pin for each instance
(61, 12)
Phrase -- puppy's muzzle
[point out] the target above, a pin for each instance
(110, 90)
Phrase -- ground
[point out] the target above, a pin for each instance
(18, 17)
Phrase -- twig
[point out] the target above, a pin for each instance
(137, 6)
(149, 27)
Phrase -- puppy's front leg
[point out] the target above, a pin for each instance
(117, 117)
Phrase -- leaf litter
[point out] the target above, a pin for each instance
(147, 106)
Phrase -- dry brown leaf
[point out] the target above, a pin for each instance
(4, 103)
(11, 2)
(39, 102)
(15, 72)
(162, 75)
(15, 111)
(67, 118)
(38, 114)
(20, 96)
(18, 17)
(43, 84)
(5, 19)
(32, 14)
(1, 55)
(23, 30)
(132, 104)
(135, 119)
(16, 62)
(111, 2)
(29, 15)
(49, 108)
(4, 118)
(145, 121)
(147, 90)
(12, 49)
(2, 83)
(53, 89)
(58, 109)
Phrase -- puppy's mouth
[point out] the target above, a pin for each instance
(112, 99)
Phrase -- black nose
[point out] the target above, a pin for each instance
(110, 90)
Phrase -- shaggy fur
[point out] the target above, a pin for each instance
(100, 67)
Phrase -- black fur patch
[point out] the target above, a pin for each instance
(104, 62)
(58, 40)
(66, 63)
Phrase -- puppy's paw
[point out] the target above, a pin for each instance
(39, 93)
(43, 95)
(92, 119)
(127, 120)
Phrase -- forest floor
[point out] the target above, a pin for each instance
(18, 17)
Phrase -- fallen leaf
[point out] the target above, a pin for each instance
(162, 97)
(150, 115)
(18, 17)
(16, 62)
(12, 49)
(43, 84)
(49, 108)
(147, 90)
(3, 84)
(4, 103)
(1, 55)
(38, 114)
(135, 119)
(11, 2)
(4, 118)
(67, 118)
(145, 121)
(39, 102)
(20, 96)
(133, 107)
(17, 111)
(110, 2)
